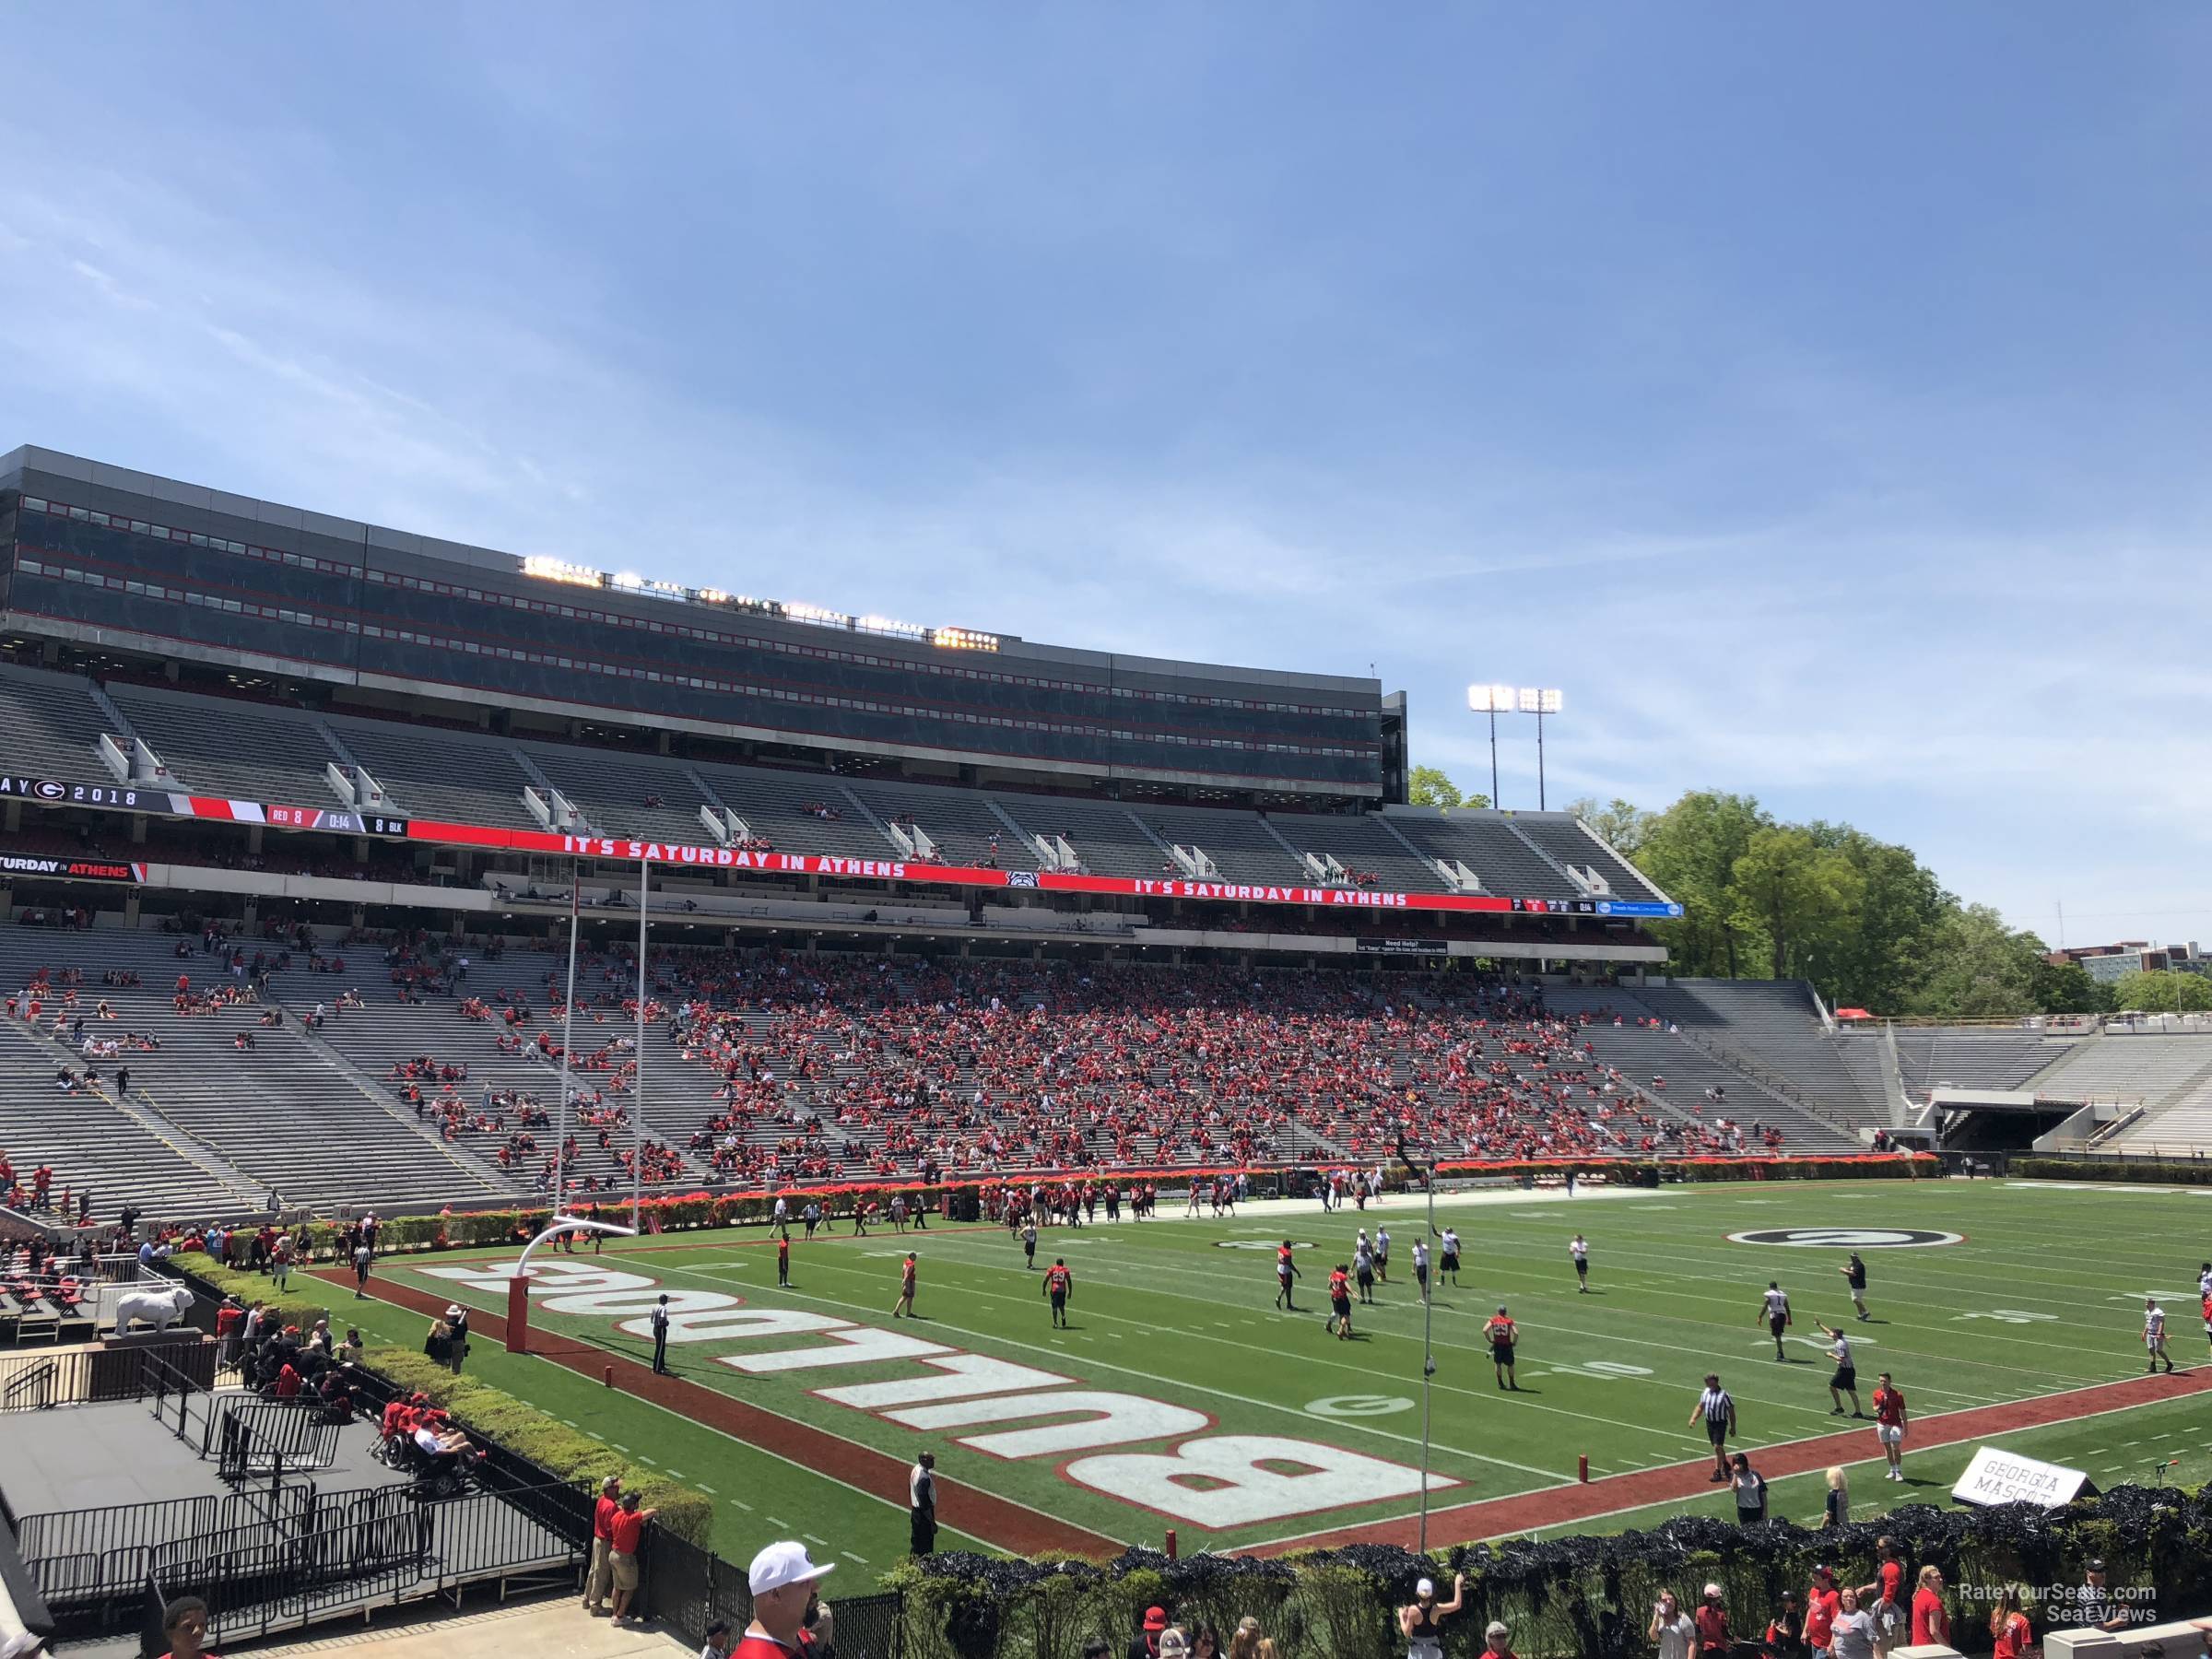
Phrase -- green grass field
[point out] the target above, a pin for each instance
(2040, 1293)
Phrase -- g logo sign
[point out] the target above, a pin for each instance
(1848, 1238)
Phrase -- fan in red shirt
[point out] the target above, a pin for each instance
(1931, 1623)
(1713, 1640)
(2207, 1311)
(1821, 1604)
(625, 1532)
(2014, 1635)
(907, 1274)
(600, 1580)
(1890, 1424)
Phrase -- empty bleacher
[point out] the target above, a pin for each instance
(960, 822)
(279, 1113)
(2157, 1071)
(1359, 844)
(432, 773)
(220, 746)
(87, 1140)
(610, 789)
(1105, 837)
(54, 726)
(1485, 842)
(774, 804)
(1955, 1057)
(1773, 1024)
(1238, 842)
(1564, 839)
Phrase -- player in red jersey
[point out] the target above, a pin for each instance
(908, 1272)
(1889, 1424)
(1287, 1270)
(1058, 1282)
(1340, 1303)
(1502, 1335)
(2206, 1310)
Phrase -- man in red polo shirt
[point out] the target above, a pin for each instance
(600, 1580)
(625, 1532)
(783, 1581)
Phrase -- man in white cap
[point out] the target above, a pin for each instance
(783, 1583)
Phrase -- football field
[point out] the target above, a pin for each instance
(1179, 1396)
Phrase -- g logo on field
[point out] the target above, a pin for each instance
(1848, 1238)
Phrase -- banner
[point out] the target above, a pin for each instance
(1400, 946)
(71, 869)
(631, 849)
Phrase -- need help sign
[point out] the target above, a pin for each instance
(1994, 1475)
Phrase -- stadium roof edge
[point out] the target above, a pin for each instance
(154, 485)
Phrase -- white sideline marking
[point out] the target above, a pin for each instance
(850, 1557)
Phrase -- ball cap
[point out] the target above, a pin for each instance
(1824, 1572)
(1156, 1619)
(783, 1564)
(1426, 1587)
(1712, 1590)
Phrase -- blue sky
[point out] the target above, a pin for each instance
(1820, 398)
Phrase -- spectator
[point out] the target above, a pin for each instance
(363, 1254)
(599, 1578)
(1821, 1603)
(1714, 1639)
(1784, 1638)
(184, 1622)
(1421, 1620)
(2098, 1609)
(1750, 1492)
(783, 1581)
(438, 1344)
(2009, 1626)
(351, 1350)
(1247, 1642)
(626, 1531)
(1851, 1634)
(1931, 1622)
(717, 1645)
(921, 1504)
(1673, 1629)
(456, 1324)
(1147, 1644)
(1497, 1641)
(1836, 1511)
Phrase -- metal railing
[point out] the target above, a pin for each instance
(357, 1552)
(686, 1589)
(270, 1437)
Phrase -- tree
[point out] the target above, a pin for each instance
(1428, 786)
(1877, 962)
(2066, 988)
(1802, 896)
(2163, 993)
(1978, 968)
(1690, 851)
(1621, 824)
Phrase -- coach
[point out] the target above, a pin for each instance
(1718, 1409)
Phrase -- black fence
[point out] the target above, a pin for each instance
(75, 1376)
(354, 1552)
(270, 1437)
(686, 1589)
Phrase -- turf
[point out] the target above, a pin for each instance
(2043, 1293)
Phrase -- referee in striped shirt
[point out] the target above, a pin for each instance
(1718, 1409)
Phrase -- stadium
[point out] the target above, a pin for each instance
(682, 988)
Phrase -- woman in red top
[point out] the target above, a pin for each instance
(1931, 1624)
(2010, 1626)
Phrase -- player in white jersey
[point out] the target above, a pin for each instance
(1421, 1266)
(1845, 1380)
(2204, 1280)
(1382, 1254)
(1447, 1261)
(1578, 1248)
(2154, 1334)
(1774, 1309)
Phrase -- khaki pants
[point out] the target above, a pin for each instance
(599, 1582)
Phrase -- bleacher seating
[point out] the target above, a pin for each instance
(1107, 839)
(279, 1113)
(54, 726)
(958, 821)
(222, 746)
(1488, 844)
(1968, 1057)
(1774, 1024)
(1568, 844)
(1362, 846)
(612, 789)
(1642, 1048)
(461, 777)
(783, 806)
(89, 1142)
(2157, 1071)
(1238, 842)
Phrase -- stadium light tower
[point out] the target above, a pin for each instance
(1495, 700)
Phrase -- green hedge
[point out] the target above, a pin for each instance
(2115, 1169)
(292, 1306)
(527, 1432)
(1566, 1597)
